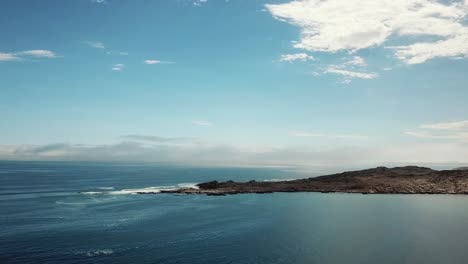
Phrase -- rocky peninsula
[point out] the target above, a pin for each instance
(380, 180)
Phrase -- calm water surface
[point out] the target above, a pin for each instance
(86, 213)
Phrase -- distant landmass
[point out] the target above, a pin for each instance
(380, 180)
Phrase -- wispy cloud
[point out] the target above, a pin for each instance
(349, 74)
(307, 134)
(352, 25)
(152, 62)
(296, 57)
(8, 57)
(356, 61)
(20, 55)
(37, 53)
(118, 67)
(101, 46)
(159, 139)
(351, 68)
(304, 134)
(454, 131)
(200, 123)
(116, 52)
(451, 126)
(199, 2)
(98, 1)
(95, 44)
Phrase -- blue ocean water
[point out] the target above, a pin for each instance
(86, 213)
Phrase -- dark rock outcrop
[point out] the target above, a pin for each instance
(402, 180)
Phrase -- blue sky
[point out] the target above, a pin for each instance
(236, 82)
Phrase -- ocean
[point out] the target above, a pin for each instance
(69, 212)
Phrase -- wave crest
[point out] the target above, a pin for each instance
(146, 190)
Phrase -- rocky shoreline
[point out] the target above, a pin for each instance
(380, 180)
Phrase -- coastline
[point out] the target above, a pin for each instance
(380, 180)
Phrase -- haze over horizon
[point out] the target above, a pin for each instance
(235, 82)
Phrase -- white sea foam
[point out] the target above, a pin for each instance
(91, 193)
(187, 185)
(152, 189)
(106, 188)
(141, 190)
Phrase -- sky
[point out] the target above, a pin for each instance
(235, 82)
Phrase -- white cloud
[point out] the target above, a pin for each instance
(351, 25)
(207, 154)
(455, 47)
(100, 45)
(297, 56)
(304, 134)
(158, 139)
(356, 61)
(8, 57)
(200, 123)
(95, 44)
(458, 137)
(98, 1)
(322, 135)
(351, 68)
(426, 134)
(455, 126)
(454, 131)
(118, 67)
(15, 56)
(152, 61)
(37, 53)
(350, 74)
(199, 2)
(116, 52)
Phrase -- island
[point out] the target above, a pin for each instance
(380, 180)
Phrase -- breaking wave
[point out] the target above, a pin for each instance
(91, 193)
(146, 190)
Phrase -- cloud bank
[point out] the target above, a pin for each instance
(191, 152)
